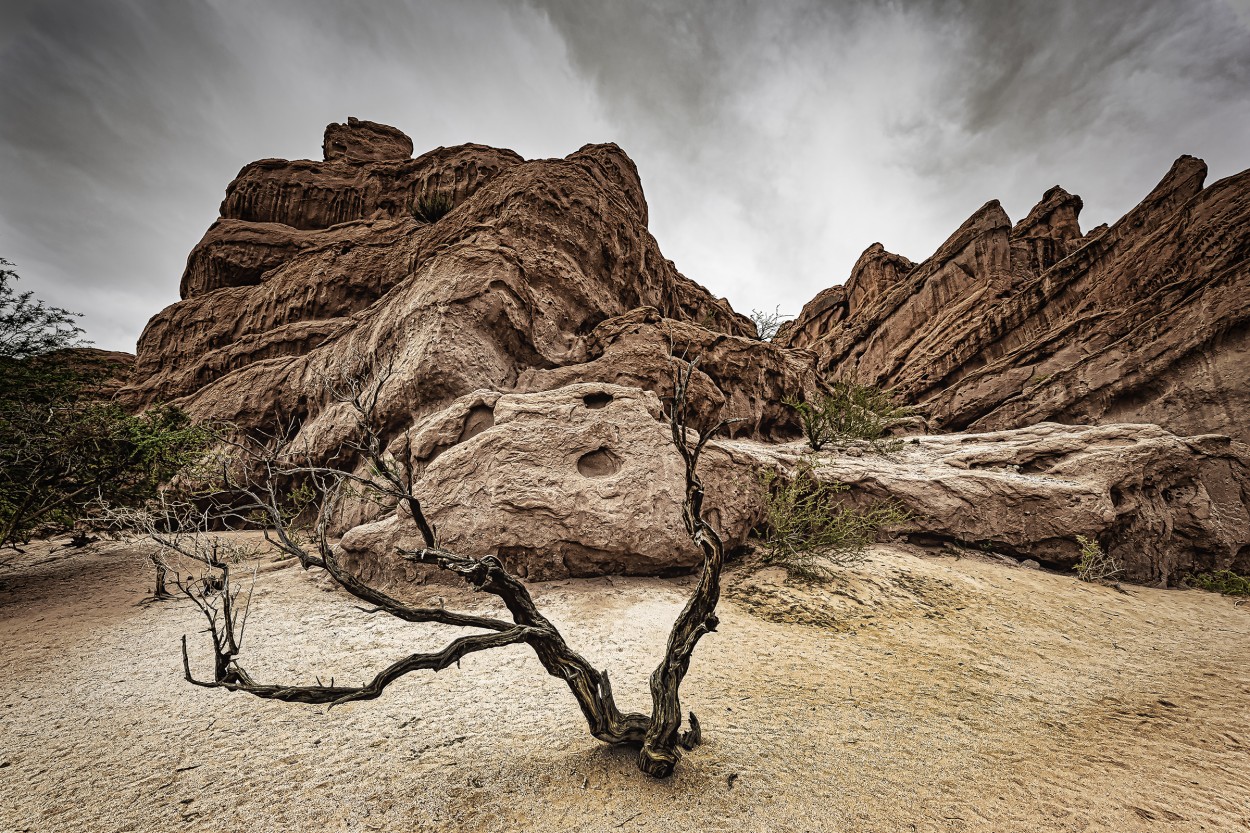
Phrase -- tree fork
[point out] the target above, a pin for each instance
(658, 735)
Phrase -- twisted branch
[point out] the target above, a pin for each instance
(255, 492)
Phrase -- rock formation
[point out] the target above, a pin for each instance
(578, 481)
(313, 263)
(1162, 505)
(582, 480)
(1004, 326)
(528, 336)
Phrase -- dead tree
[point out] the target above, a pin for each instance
(260, 493)
(179, 529)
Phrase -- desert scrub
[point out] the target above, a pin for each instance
(851, 411)
(768, 323)
(810, 531)
(1221, 581)
(431, 206)
(1094, 564)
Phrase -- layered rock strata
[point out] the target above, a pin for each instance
(1008, 325)
(315, 266)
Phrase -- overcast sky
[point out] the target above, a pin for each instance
(776, 141)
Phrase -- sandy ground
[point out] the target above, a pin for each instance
(924, 693)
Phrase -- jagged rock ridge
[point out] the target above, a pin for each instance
(1145, 321)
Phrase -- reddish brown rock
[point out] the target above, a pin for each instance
(530, 335)
(365, 141)
(1145, 321)
(736, 377)
(583, 480)
(578, 481)
(315, 264)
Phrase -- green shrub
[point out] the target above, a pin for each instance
(432, 206)
(809, 529)
(1094, 564)
(849, 412)
(1221, 581)
(62, 447)
(58, 461)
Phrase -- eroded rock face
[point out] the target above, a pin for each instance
(1162, 505)
(579, 481)
(529, 336)
(314, 265)
(583, 480)
(1145, 321)
(736, 377)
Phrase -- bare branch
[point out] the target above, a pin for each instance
(236, 679)
(272, 482)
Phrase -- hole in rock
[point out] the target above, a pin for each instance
(597, 400)
(598, 463)
(479, 419)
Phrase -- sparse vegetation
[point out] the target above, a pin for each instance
(810, 530)
(768, 323)
(1221, 581)
(432, 206)
(1095, 564)
(851, 411)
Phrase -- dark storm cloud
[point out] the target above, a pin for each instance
(775, 141)
(122, 122)
(811, 129)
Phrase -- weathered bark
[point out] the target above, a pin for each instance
(659, 752)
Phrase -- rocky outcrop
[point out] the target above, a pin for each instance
(736, 377)
(579, 481)
(1145, 321)
(583, 480)
(107, 370)
(523, 343)
(365, 141)
(1162, 505)
(314, 265)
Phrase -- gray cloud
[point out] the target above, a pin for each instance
(776, 141)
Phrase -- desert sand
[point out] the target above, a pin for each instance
(921, 692)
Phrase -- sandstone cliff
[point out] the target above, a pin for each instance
(516, 287)
(1008, 325)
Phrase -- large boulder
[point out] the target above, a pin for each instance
(584, 480)
(579, 481)
(1162, 505)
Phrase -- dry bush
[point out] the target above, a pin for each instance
(254, 489)
(1221, 581)
(432, 206)
(851, 411)
(768, 323)
(810, 531)
(1095, 564)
